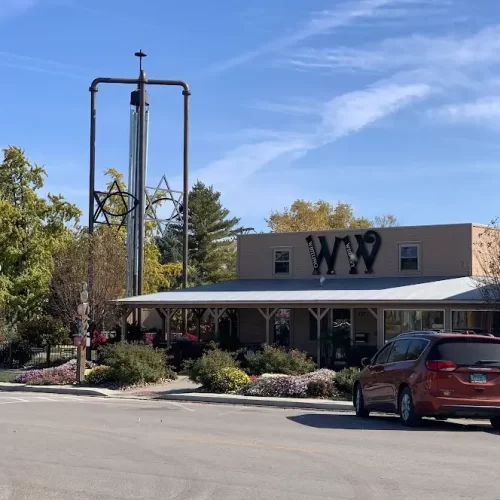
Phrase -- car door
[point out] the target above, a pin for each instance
(371, 380)
(395, 372)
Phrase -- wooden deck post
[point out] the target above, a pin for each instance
(268, 314)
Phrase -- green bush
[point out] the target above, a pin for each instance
(279, 360)
(345, 379)
(100, 375)
(205, 369)
(229, 380)
(134, 364)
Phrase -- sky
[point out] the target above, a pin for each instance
(392, 106)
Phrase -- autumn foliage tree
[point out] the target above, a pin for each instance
(321, 215)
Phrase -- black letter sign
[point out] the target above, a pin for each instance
(370, 237)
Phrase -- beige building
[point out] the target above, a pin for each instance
(292, 287)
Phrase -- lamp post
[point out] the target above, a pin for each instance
(81, 337)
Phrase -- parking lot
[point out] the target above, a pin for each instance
(59, 447)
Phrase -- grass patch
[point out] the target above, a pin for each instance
(8, 376)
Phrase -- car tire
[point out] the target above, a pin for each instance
(495, 422)
(359, 403)
(407, 413)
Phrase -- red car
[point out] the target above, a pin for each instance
(432, 374)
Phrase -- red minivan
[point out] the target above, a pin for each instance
(432, 374)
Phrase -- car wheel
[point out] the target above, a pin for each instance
(407, 412)
(495, 422)
(359, 403)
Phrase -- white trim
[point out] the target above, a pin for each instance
(290, 260)
(418, 246)
(406, 309)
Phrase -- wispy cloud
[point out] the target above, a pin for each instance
(320, 23)
(354, 111)
(407, 52)
(41, 65)
(9, 8)
(485, 110)
(337, 118)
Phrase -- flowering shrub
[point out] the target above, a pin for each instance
(316, 384)
(229, 380)
(279, 360)
(149, 338)
(60, 375)
(97, 339)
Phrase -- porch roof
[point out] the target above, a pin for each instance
(364, 290)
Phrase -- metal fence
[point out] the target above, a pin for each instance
(16, 355)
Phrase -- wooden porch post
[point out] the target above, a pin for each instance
(217, 313)
(352, 326)
(319, 315)
(124, 324)
(168, 312)
(268, 314)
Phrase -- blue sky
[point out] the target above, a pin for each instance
(390, 105)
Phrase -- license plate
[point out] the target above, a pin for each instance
(478, 378)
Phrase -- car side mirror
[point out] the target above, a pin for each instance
(365, 362)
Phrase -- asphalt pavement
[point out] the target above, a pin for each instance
(55, 447)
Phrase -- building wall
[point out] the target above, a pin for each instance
(445, 250)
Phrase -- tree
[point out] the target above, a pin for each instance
(31, 229)
(71, 270)
(487, 256)
(43, 331)
(212, 249)
(387, 220)
(317, 216)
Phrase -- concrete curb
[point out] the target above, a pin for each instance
(54, 389)
(228, 399)
(310, 404)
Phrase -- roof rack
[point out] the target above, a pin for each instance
(443, 332)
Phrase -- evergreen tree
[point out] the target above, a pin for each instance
(212, 248)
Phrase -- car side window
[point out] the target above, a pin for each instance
(417, 347)
(399, 350)
(383, 355)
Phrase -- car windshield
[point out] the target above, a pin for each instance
(468, 352)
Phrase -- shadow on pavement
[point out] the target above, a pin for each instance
(385, 423)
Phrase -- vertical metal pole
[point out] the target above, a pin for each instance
(142, 185)
(186, 94)
(185, 254)
(93, 92)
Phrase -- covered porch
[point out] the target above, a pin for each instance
(298, 313)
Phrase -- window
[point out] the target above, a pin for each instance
(400, 321)
(409, 257)
(281, 261)
(383, 355)
(417, 347)
(282, 327)
(478, 321)
(398, 352)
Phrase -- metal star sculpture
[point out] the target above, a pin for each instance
(156, 197)
(103, 197)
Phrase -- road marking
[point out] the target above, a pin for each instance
(42, 398)
(21, 400)
(180, 406)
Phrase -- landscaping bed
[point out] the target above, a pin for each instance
(273, 372)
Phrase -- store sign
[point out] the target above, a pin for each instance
(368, 246)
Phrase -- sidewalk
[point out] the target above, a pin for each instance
(183, 390)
